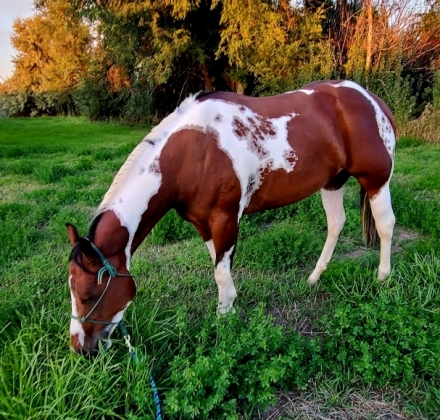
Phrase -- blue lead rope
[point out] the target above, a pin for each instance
(156, 399)
(134, 359)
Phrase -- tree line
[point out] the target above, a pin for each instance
(135, 60)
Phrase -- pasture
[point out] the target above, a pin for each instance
(350, 347)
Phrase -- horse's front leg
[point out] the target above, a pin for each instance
(224, 230)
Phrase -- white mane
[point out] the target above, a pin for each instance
(157, 135)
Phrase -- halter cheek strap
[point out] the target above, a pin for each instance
(112, 272)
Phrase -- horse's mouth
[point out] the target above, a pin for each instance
(102, 342)
(106, 342)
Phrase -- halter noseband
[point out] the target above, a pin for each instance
(112, 272)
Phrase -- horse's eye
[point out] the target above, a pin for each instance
(88, 300)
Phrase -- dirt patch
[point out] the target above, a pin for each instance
(400, 235)
(373, 406)
(298, 317)
(12, 192)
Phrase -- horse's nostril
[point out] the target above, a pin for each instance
(88, 352)
(84, 352)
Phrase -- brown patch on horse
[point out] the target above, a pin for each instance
(255, 133)
(208, 208)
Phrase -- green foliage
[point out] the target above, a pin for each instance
(395, 90)
(383, 343)
(94, 101)
(138, 101)
(237, 362)
(171, 229)
(408, 142)
(38, 379)
(390, 85)
(22, 103)
(384, 336)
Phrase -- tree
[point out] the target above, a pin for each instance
(51, 51)
(51, 56)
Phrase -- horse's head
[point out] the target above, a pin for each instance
(100, 289)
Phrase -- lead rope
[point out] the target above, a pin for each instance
(134, 359)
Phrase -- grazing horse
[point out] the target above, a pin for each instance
(219, 156)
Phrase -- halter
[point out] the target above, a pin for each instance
(112, 272)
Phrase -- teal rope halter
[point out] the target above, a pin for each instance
(112, 272)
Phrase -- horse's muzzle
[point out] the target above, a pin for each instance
(91, 345)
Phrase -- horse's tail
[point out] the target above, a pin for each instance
(369, 231)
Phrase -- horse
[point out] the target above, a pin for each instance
(219, 156)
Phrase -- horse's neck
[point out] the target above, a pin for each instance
(112, 236)
(158, 206)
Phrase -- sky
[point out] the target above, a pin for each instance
(9, 10)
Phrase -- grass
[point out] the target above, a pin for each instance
(350, 347)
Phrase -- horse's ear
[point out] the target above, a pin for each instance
(86, 248)
(72, 234)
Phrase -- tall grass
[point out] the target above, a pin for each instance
(348, 334)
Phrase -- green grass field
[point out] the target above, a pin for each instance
(350, 347)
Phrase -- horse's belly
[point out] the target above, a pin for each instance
(279, 188)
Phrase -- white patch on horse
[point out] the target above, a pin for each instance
(254, 143)
(211, 249)
(384, 126)
(265, 146)
(76, 328)
(306, 91)
(115, 320)
(385, 220)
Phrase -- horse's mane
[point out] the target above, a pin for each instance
(158, 134)
(202, 94)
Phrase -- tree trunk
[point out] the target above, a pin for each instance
(209, 87)
(369, 35)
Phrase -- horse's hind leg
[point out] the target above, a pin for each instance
(384, 218)
(333, 202)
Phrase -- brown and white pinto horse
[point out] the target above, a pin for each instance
(221, 155)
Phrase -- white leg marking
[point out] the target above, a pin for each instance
(223, 278)
(384, 218)
(211, 249)
(76, 327)
(334, 209)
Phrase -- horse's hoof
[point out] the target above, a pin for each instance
(383, 275)
(223, 310)
(312, 280)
